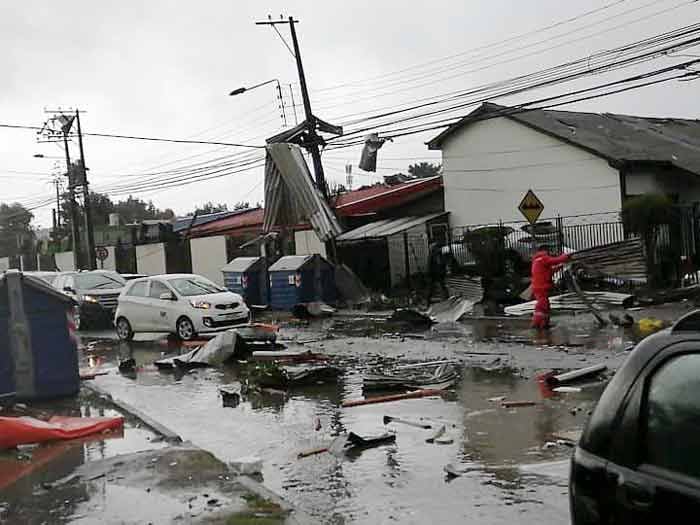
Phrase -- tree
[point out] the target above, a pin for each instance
(15, 230)
(209, 207)
(130, 210)
(423, 170)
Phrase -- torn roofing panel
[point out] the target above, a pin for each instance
(386, 227)
(290, 195)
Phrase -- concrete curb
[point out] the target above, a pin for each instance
(161, 430)
(296, 517)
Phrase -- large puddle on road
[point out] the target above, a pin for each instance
(514, 473)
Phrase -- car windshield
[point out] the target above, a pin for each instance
(195, 286)
(90, 281)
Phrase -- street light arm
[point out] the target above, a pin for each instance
(240, 90)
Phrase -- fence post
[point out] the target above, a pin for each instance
(407, 260)
(560, 234)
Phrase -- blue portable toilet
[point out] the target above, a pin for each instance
(296, 279)
(247, 276)
(38, 356)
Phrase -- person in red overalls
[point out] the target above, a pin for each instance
(543, 267)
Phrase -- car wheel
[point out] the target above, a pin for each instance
(124, 331)
(185, 329)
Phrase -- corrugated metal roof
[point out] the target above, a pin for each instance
(386, 227)
(240, 264)
(621, 138)
(290, 262)
(291, 196)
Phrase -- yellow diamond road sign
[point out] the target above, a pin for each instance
(531, 207)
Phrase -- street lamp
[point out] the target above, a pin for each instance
(242, 89)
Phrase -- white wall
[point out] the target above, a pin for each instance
(308, 243)
(208, 257)
(64, 261)
(150, 259)
(490, 165)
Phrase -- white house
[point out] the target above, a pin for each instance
(576, 163)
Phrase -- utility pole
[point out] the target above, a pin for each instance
(75, 232)
(313, 139)
(57, 183)
(91, 260)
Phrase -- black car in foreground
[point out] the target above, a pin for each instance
(638, 460)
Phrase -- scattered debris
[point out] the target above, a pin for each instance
(214, 353)
(566, 389)
(312, 310)
(272, 374)
(444, 440)
(576, 374)
(288, 356)
(450, 310)
(436, 435)
(515, 404)
(230, 395)
(412, 317)
(572, 301)
(390, 419)
(312, 452)
(397, 397)
(350, 443)
(442, 378)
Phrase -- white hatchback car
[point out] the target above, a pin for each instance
(182, 304)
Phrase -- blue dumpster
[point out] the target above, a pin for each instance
(247, 276)
(296, 279)
(38, 356)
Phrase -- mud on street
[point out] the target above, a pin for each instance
(512, 463)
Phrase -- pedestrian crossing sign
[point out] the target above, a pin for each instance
(531, 207)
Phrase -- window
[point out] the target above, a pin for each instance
(673, 416)
(158, 288)
(138, 289)
(68, 283)
(93, 280)
(195, 286)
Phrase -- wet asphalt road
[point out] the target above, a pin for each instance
(514, 475)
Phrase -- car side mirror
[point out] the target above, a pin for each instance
(68, 289)
(167, 296)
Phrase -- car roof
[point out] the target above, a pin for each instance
(168, 276)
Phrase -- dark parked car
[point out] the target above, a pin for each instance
(638, 460)
(95, 291)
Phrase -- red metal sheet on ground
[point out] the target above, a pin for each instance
(22, 430)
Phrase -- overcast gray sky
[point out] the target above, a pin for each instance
(164, 68)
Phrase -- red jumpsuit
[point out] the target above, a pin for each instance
(543, 267)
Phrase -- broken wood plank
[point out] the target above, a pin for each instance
(387, 399)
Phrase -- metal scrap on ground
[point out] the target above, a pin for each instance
(572, 302)
(444, 376)
(450, 310)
